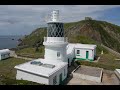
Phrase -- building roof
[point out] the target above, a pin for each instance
(41, 70)
(4, 51)
(118, 70)
(84, 46)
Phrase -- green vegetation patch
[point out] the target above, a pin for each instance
(8, 72)
(107, 61)
(31, 52)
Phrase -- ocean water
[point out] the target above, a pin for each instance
(9, 41)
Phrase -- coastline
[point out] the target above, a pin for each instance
(10, 42)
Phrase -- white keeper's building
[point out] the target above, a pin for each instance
(79, 51)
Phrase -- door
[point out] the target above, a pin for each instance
(87, 54)
(60, 79)
(68, 62)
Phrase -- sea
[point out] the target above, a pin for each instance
(9, 41)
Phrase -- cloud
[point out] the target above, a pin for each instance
(22, 19)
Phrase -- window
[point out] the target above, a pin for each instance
(58, 54)
(8, 54)
(78, 51)
(54, 80)
(3, 55)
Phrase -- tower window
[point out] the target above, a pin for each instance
(58, 54)
(78, 51)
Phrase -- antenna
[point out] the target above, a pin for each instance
(54, 17)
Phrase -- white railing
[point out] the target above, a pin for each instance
(55, 39)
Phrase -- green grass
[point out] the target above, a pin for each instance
(8, 72)
(107, 61)
(35, 37)
(81, 39)
(30, 52)
(7, 66)
(8, 81)
(86, 40)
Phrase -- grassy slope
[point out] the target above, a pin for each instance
(35, 37)
(97, 31)
(30, 52)
(8, 72)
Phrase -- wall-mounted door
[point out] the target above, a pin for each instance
(60, 78)
(87, 54)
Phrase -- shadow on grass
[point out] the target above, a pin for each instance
(9, 81)
(6, 58)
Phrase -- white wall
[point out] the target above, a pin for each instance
(31, 77)
(57, 74)
(51, 53)
(0, 56)
(70, 56)
(40, 79)
(95, 51)
(83, 53)
(70, 59)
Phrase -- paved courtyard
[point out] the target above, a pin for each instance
(86, 70)
(108, 78)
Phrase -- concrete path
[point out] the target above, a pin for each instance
(26, 58)
(75, 81)
(13, 54)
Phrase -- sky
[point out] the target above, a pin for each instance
(23, 19)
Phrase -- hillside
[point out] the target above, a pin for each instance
(85, 31)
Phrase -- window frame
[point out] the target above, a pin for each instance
(77, 51)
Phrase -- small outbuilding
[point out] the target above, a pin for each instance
(85, 52)
(80, 52)
(48, 72)
(4, 53)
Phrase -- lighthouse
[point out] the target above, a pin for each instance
(53, 68)
(55, 43)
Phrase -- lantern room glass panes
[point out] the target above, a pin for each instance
(55, 30)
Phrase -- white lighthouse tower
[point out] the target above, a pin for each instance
(55, 42)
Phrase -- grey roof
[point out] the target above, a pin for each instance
(4, 51)
(41, 70)
(79, 45)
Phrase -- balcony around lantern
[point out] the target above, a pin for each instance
(55, 41)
